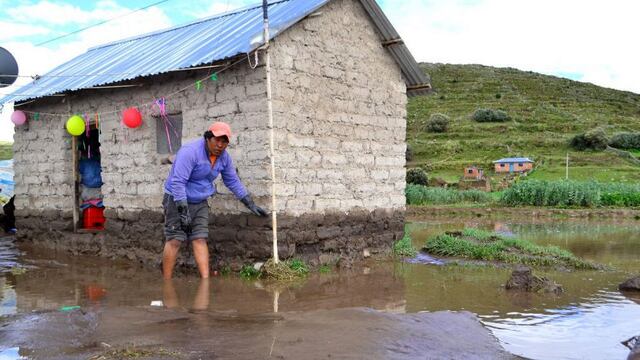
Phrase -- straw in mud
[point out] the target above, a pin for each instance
(279, 271)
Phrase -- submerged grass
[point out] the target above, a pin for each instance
(404, 247)
(483, 245)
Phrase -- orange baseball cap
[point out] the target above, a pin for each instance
(220, 128)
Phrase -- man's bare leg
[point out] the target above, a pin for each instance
(169, 256)
(201, 253)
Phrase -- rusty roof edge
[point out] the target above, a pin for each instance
(413, 75)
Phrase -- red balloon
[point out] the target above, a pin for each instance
(132, 118)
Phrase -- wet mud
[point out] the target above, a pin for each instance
(321, 334)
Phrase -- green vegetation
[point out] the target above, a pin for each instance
(545, 111)
(626, 140)
(298, 266)
(595, 139)
(249, 272)
(404, 247)
(324, 269)
(482, 245)
(422, 195)
(490, 115)
(437, 123)
(572, 194)
(417, 176)
(6, 150)
(287, 270)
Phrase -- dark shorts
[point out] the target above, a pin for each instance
(199, 220)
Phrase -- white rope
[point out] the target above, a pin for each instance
(256, 59)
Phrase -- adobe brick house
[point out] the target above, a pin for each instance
(340, 79)
(511, 165)
(473, 172)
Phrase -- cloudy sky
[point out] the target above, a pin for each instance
(584, 40)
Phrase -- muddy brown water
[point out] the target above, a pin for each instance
(383, 309)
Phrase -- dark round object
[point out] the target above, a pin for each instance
(8, 68)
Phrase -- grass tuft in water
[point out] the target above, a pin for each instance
(483, 245)
(404, 247)
(285, 270)
(249, 272)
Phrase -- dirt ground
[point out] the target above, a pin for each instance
(148, 332)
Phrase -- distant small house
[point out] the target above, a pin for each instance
(473, 172)
(511, 165)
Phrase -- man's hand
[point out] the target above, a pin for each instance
(185, 217)
(248, 202)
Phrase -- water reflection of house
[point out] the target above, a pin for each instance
(511, 165)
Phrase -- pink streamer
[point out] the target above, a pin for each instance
(162, 105)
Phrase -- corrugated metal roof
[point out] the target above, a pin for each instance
(201, 42)
(513, 160)
(417, 82)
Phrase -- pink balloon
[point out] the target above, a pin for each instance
(18, 117)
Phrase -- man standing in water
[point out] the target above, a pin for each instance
(189, 185)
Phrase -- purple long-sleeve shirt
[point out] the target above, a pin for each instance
(191, 176)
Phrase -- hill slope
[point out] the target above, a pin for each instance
(546, 112)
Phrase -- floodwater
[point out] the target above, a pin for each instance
(587, 321)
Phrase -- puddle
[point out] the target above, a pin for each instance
(588, 321)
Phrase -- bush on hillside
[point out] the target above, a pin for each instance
(437, 123)
(490, 115)
(625, 141)
(595, 139)
(417, 176)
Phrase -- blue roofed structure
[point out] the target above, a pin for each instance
(205, 41)
(513, 160)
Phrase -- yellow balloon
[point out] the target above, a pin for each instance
(75, 125)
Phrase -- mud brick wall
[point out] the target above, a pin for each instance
(339, 112)
(340, 109)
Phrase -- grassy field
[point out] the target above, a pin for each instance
(546, 112)
(6, 150)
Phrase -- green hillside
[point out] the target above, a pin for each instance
(6, 150)
(546, 111)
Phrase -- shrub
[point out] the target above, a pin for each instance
(437, 123)
(422, 195)
(417, 176)
(595, 139)
(625, 141)
(490, 115)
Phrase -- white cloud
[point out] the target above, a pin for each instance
(62, 13)
(10, 30)
(39, 60)
(552, 37)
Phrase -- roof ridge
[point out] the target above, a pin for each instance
(198, 21)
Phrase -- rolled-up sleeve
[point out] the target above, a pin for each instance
(230, 178)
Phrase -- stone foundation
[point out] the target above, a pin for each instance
(234, 240)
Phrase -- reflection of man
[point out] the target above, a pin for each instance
(200, 301)
(189, 185)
